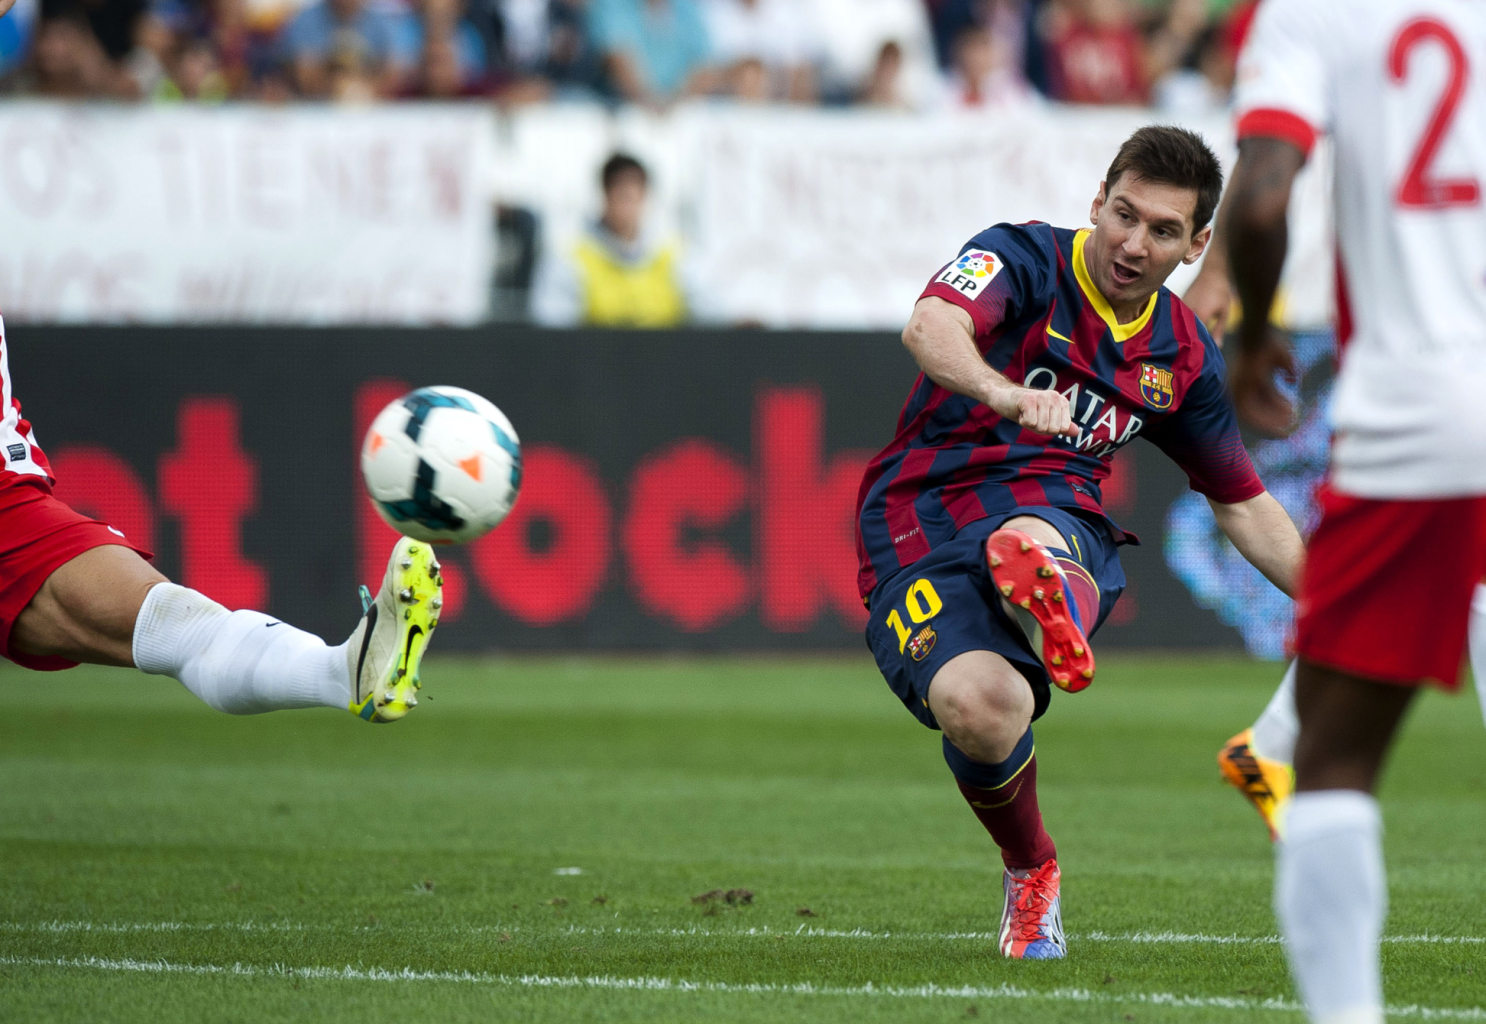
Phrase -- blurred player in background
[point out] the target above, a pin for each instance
(986, 557)
(1385, 600)
(73, 590)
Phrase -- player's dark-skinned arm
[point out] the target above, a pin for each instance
(941, 338)
(1258, 236)
(1265, 535)
(1210, 295)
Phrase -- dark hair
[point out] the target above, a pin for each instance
(1169, 155)
(621, 164)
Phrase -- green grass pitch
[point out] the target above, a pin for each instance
(650, 839)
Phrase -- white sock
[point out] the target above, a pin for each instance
(1476, 634)
(240, 662)
(1331, 895)
(1277, 726)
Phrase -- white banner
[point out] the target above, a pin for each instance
(810, 220)
(245, 214)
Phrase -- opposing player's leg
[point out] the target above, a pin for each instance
(1256, 762)
(1331, 892)
(1384, 608)
(984, 706)
(75, 594)
(1053, 594)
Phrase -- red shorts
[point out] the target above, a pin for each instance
(1387, 587)
(39, 534)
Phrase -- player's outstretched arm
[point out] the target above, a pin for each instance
(941, 337)
(1264, 534)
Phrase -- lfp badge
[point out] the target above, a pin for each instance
(1155, 386)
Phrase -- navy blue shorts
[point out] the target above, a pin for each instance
(946, 604)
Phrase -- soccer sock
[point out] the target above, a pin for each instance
(241, 662)
(1331, 896)
(1082, 592)
(1277, 725)
(1004, 798)
(1477, 643)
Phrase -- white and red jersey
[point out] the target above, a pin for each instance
(1400, 86)
(19, 454)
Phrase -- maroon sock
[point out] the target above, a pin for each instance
(1010, 814)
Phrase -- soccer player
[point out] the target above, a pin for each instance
(73, 590)
(986, 560)
(1386, 591)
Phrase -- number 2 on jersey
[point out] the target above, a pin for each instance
(1419, 187)
(922, 603)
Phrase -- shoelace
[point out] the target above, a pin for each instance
(1032, 900)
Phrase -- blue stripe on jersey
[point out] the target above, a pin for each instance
(954, 460)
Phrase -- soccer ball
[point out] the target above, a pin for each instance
(442, 465)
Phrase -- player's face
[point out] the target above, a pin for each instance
(1142, 231)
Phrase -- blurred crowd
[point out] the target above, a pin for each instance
(1176, 55)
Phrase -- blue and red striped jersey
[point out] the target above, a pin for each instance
(1039, 320)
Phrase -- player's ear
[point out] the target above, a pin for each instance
(1199, 245)
(1098, 204)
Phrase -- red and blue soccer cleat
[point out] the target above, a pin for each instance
(1032, 919)
(1028, 576)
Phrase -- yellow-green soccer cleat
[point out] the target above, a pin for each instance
(1267, 784)
(387, 645)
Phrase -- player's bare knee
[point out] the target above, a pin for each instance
(984, 715)
(1038, 529)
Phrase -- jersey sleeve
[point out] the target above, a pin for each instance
(1282, 79)
(997, 274)
(1202, 437)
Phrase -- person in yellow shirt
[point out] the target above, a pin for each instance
(615, 273)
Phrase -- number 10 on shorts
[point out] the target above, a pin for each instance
(921, 602)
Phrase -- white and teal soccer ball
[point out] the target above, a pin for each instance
(442, 464)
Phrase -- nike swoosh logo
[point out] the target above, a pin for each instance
(407, 649)
(371, 625)
(1054, 334)
(271, 625)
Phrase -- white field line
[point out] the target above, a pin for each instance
(606, 982)
(803, 931)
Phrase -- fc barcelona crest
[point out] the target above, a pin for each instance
(922, 643)
(1155, 386)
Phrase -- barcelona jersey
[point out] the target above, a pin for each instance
(1041, 322)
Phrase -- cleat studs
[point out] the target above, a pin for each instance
(389, 695)
(412, 702)
(407, 615)
(1006, 589)
(405, 595)
(1087, 673)
(1038, 593)
(413, 549)
(1025, 547)
(1026, 603)
(436, 603)
(1062, 679)
(1078, 652)
(995, 561)
(1045, 571)
(1057, 595)
(406, 563)
(434, 568)
(1057, 659)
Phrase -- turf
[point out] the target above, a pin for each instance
(672, 840)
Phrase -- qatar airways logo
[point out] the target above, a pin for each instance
(1102, 427)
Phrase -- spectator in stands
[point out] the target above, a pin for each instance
(616, 274)
(985, 74)
(767, 49)
(344, 49)
(68, 62)
(884, 85)
(1094, 51)
(539, 49)
(443, 47)
(654, 52)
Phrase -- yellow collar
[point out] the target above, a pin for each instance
(1117, 330)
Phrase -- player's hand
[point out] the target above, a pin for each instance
(1045, 412)
(1210, 297)
(1257, 398)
